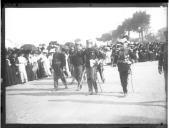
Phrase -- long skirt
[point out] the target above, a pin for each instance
(8, 76)
(15, 75)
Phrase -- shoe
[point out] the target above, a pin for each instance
(90, 93)
(78, 89)
(55, 87)
(103, 80)
(125, 94)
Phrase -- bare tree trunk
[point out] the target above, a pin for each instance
(139, 36)
(142, 36)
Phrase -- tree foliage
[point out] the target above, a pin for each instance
(139, 23)
(105, 37)
(140, 20)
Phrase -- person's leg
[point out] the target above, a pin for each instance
(55, 78)
(94, 78)
(76, 75)
(125, 77)
(166, 82)
(123, 81)
(89, 80)
(63, 78)
(80, 73)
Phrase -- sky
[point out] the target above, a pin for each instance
(42, 25)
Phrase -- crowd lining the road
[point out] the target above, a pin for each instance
(38, 64)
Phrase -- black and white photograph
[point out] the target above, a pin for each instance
(86, 65)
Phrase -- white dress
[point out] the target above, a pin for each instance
(22, 63)
(46, 65)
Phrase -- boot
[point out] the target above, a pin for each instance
(55, 85)
(90, 93)
(66, 86)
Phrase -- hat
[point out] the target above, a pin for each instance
(45, 51)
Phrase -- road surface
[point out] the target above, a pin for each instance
(37, 103)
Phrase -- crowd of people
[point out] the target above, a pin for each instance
(140, 52)
(72, 61)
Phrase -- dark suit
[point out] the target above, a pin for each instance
(124, 67)
(77, 59)
(58, 63)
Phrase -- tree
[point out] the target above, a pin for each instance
(105, 37)
(140, 22)
(127, 25)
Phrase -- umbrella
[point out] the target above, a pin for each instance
(28, 47)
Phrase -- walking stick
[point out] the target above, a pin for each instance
(99, 84)
(131, 80)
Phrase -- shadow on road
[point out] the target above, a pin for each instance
(60, 92)
(147, 103)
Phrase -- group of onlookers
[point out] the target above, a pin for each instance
(26, 65)
(141, 52)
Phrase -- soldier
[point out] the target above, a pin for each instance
(123, 63)
(91, 56)
(77, 59)
(58, 64)
(163, 61)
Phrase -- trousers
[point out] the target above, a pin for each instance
(58, 73)
(91, 78)
(124, 80)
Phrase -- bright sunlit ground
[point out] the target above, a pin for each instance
(37, 102)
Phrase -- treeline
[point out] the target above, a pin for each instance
(139, 23)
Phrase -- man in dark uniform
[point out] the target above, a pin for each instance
(163, 61)
(91, 56)
(58, 64)
(77, 59)
(123, 63)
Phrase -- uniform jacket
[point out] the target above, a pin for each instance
(124, 60)
(91, 54)
(59, 60)
(77, 58)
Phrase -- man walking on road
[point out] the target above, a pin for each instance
(123, 63)
(58, 64)
(91, 57)
(77, 59)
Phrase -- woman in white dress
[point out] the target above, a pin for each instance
(46, 63)
(22, 62)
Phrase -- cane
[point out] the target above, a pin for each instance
(131, 79)
(99, 84)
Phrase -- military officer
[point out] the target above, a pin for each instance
(77, 59)
(123, 62)
(91, 57)
(58, 64)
